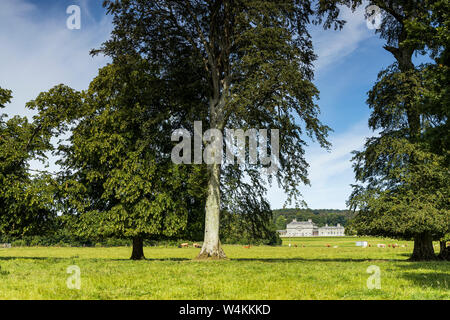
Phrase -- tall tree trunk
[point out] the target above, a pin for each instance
(444, 254)
(211, 245)
(423, 248)
(138, 249)
(211, 248)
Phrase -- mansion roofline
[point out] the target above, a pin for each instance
(310, 229)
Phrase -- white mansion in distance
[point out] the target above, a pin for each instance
(309, 229)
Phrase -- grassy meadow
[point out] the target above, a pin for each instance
(309, 271)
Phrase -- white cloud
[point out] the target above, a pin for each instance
(38, 54)
(333, 46)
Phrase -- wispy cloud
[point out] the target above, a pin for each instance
(38, 51)
(333, 46)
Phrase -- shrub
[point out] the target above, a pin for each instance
(19, 243)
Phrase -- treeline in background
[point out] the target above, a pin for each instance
(233, 231)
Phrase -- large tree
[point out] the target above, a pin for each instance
(256, 66)
(432, 32)
(404, 177)
(117, 176)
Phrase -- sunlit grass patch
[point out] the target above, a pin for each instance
(314, 271)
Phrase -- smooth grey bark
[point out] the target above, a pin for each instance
(211, 244)
(211, 248)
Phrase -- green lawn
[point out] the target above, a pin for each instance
(310, 272)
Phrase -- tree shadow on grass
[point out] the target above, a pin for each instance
(33, 258)
(404, 263)
(437, 265)
(440, 280)
(174, 259)
(428, 274)
(92, 259)
(151, 259)
(274, 260)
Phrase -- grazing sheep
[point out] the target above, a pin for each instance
(380, 245)
(196, 245)
(184, 245)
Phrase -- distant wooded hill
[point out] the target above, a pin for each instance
(281, 217)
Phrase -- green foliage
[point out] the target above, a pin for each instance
(240, 64)
(236, 229)
(5, 97)
(280, 222)
(252, 62)
(25, 199)
(403, 174)
(118, 178)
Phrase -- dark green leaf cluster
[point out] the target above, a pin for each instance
(403, 173)
(118, 178)
(25, 198)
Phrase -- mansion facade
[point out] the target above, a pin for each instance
(309, 229)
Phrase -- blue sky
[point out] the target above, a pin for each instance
(38, 52)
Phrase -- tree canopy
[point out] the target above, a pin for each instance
(117, 177)
(256, 70)
(403, 171)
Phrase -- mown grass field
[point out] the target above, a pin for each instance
(310, 272)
